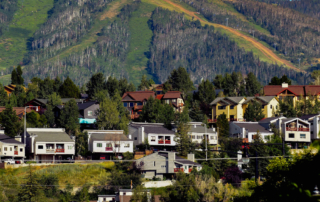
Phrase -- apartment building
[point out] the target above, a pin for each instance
(11, 148)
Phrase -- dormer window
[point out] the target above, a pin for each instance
(232, 107)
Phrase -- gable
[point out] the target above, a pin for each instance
(127, 98)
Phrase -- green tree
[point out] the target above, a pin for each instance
(101, 95)
(112, 86)
(54, 99)
(13, 100)
(20, 79)
(68, 89)
(57, 84)
(50, 116)
(82, 144)
(140, 194)
(254, 112)
(69, 118)
(108, 115)
(10, 122)
(180, 80)
(144, 84)
(253, 86)
(124, 86)
(123, 114)
(151, 111)
(287, 108)
(20, 94)
(223, 125)
(30, 190)
(96, 84)
(4, 99)
(14, 77)
(219, 81)
(50, 184)
(206, 92)
(195, 112)
(278, 81)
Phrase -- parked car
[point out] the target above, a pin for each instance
(9, 161)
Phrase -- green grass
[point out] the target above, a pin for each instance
(6, 79)
(140, 39)
(28, 18)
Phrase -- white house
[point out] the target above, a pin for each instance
(48, 145)
(197, 134)
(11, 148)
(314, 120)
(157, 136)
(104, 144)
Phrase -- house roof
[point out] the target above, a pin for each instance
(45, 101)
(159, 97)
(178, 159)
(200, 129)
(8, 140)
(264, 99)
(227, 100)
(268, 120)
(139, 95)
(291, 119)
(157, 130)
(172, 95)
(47, 135)
(296, 89)
(252, 126)
(11, 87)
(85, 105)
(19, 110)
(109, 137)
(307, 117)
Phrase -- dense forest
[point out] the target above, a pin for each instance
(7, 10)
(202, 51)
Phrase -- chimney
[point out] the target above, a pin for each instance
(195, 126)
(191, 157)
(129, 136)
(18, 138)
(285, 85)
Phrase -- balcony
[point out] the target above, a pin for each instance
(134, 116)
(160, 142)
(59, 150)
(168, 141)
(291, 129)
(303, 129)
(178, 170)
(15, 152)
(109, 149)
(50, 150)
(190, 169)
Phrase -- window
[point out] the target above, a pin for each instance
(291, 135)
(174, 100)
(99, 144)
(221, 107)
(153, 138)
(163, 166)
(193, 137)
(232, 107)
(267, 137)
(69, 147)
(126, 145)
(10, 148)
(131, 104)
(154, 163)
(21, 150)
(277, 107)
(108, 145)
(270, 106)
(125, 104)
(303, 136)
(116, 145)
(199, 137)
(5, 149)
(212, 137)
(140, 104)
(135, 138)
(40, 146)
(90, 113)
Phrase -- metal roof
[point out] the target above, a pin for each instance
(8, 140)
(47, 136)
(200, 129)
(109, 137)
(252, 127)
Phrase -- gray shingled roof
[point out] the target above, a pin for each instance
(179, 159)
(200, 129)
(252, 127)
(51, 136)
(227, 100)
(8, 140)
(157, 129)
(307, 117)
(264, 99)
(109, 137)
(268, 120)
(63, 100)
(85, 105)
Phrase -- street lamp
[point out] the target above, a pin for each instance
(25, 122)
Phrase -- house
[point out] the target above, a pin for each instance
(248, 131)
(293, 92)
(230, 106)
(157, 136)
(134, 101)
(164, 163)
(269, 104)
(124, 195)
(10, 88)
(88, 112)
(197, 134)
(108, 198)
(41, 104)
(46, 145)
(158, 88)
(19, 111)
(175, 99)
(105, 144)
(314, 120)
(11, 148)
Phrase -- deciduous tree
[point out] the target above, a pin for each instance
(69, 118)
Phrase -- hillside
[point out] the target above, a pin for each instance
(123, 38)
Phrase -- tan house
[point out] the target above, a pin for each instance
(269, 104)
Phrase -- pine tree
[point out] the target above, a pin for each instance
(96, 84)
(54, 99)
(108, 115)
(223, 125)
(112, 86)
(10, 122)
(206, 92)
(30, 190)
(50, 116)
(180, 80)
(69, 90)
(69, 118)
(4, 99)
(56, 84)
(253, 86)
(144, 84)
(254, 112)
(14, 77)
(20, 79)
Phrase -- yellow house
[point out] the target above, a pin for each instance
(231, 106)
(269, 104)
(235, 107)
(10, 88)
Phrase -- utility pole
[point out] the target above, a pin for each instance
(257, 166)
(227, 21)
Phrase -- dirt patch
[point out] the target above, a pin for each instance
(138, 68)
(266, 51)
(113, 11)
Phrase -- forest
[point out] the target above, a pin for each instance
(7, 10)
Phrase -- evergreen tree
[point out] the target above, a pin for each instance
(13, 100)
(223, 125)
(253, 86)
(20, 79)
(123, 114)
(219, 81)
(68, 89)
(96, 84)
(29, 96)
(20, 94)
(206, 92)
(14, 77)
(82, 144)
(278, 81)
(195, 112)
(54, 99)
(108, 115)
(29, 191)
(57, 84)
(50, 116)
(287, 108)
(69, 118)
(4, 99)
(112, 86)
(124, 86)
(101, 95)
(254, 112)
(180, 80)
(144, 84)
(10, 122)
(150, 111)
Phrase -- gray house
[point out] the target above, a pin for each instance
(165, 162)
(87, 112)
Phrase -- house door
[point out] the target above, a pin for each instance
(231, 117)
